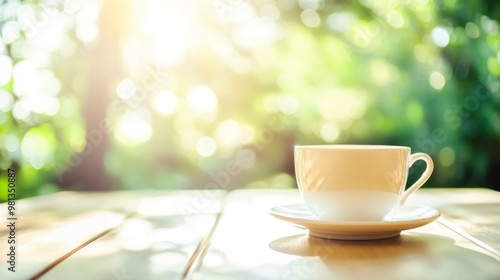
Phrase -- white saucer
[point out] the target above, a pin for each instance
(401, 218)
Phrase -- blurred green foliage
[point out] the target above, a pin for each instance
(216, 93)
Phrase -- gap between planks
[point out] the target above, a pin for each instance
(201, 250)
(78, 248)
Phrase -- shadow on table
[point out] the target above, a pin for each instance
(412, 255)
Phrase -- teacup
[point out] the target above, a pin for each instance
(356, 182)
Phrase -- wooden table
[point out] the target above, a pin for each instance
(209, 234)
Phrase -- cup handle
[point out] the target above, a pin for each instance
(425, 176)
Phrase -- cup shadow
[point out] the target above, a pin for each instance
(413, 253)
(305, 245)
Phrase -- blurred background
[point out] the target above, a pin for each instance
(164, 94)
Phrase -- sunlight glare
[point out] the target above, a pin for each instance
(170, 26)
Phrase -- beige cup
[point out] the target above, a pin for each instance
(356, 182)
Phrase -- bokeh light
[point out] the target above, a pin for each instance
(38, 146)
(447, 156)
(202, 100)
(87, 32)
(21, 110)
(165, 102)
(11, 143)
(310, 18)
(256, 31)
(395, 19)
(6, 100)
(206, 146)
(230, 133)
(133, 129)
(440, 36)
(472, 30)
(125, 89)
(5, 69)
(341, 21)
(436, 80)
(329, 132)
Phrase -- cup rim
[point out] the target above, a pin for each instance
(351, 147)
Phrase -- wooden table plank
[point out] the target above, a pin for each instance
(50, 227)
(157, 243)
(38, 248)
(138, 237)
(473, 211)
(142, 248)
(250, 244)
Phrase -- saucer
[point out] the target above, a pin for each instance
(401, 218)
